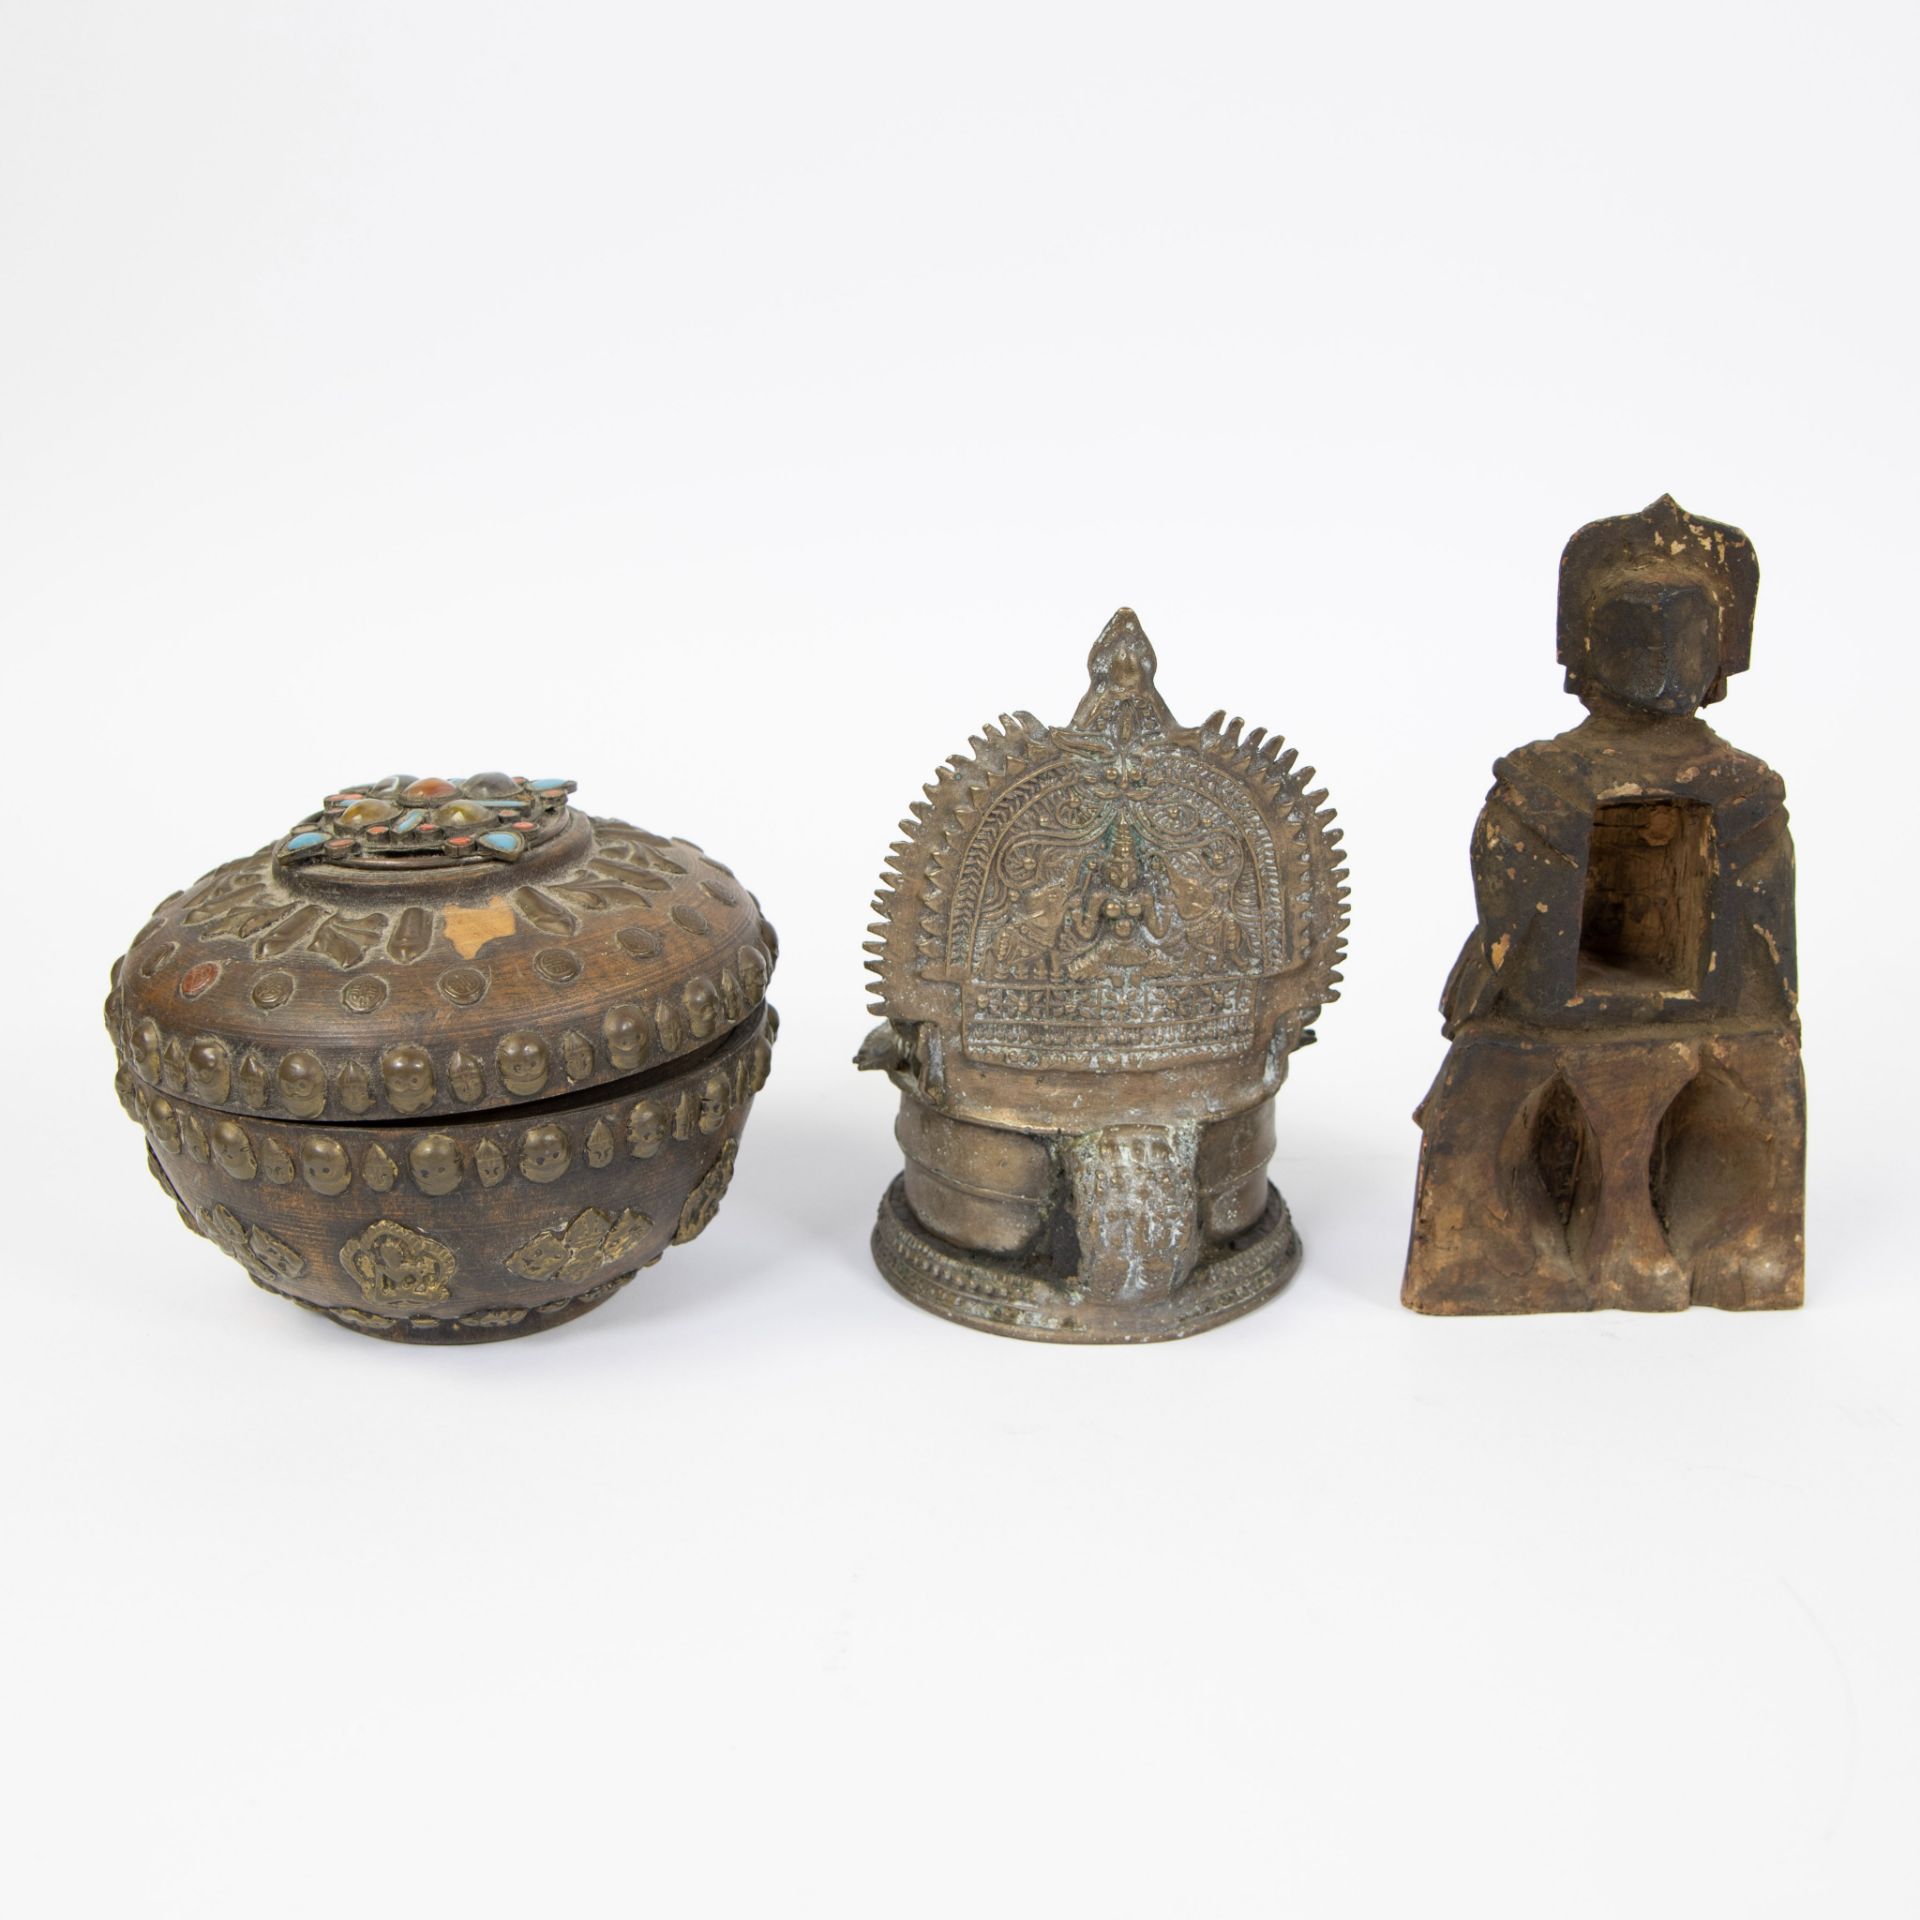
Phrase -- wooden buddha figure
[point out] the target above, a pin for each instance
(1620, 1120)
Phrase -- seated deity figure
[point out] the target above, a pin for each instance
(1201, 881)
(1037, 881)
(1119, 922)
(1620, 1120)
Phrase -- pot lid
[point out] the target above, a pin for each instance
(432, 946)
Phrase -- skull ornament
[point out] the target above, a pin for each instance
(146, 1049)
(524, 1062)
(625, 1030)
(324, 1165)
(208, 1073)
(715, 1099)
(545, 1152)
(646, 1130)
(407, 1074)
(753, 973)
(233, 1150)
(434, 1163)
(164, 1122)
(301, 1082)
(703, 1006)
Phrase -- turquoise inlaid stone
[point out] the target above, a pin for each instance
(493, 815)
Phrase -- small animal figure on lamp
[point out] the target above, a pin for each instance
(1621, 1118)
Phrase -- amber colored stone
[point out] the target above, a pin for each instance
(463, 813)
(431, 788)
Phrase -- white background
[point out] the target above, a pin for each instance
(732, 408)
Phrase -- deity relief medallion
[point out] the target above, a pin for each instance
(395, 1265)
(1097, 946)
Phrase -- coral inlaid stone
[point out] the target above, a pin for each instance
(197, 979)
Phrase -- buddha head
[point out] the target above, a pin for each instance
(1656, 610)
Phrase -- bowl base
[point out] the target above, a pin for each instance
(463, 1330)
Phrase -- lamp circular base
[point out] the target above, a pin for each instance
(1026, 1300)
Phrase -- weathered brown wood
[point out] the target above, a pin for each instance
(1098, 945)
(451, 1060)
(1620, 1120)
